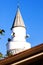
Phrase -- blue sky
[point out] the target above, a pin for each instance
(32, 13)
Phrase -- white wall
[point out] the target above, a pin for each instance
(20, 33)
(18, 43)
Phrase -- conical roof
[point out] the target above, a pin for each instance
(18, 20)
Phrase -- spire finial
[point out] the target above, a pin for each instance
(18, 4)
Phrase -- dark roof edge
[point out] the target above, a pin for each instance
(23, 55)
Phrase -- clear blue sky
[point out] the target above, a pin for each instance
(32, 13)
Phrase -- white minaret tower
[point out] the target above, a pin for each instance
(18, 42)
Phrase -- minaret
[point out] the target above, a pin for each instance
(18, 42)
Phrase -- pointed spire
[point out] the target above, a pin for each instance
(18, 21)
